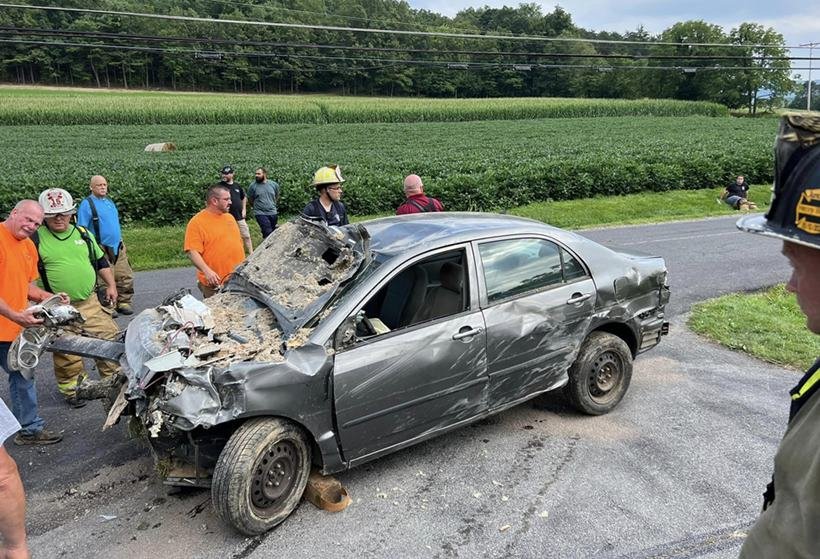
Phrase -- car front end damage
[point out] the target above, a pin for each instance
(191, 369)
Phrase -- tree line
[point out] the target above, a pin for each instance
(107, 50)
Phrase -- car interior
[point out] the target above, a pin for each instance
(427, 290)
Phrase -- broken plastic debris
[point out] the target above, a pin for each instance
(498, 483)
(156, 423)
(544, 514)
(505, 498)
(107, 517)
(504, 528)
(165, 362)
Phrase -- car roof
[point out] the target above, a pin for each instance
(400, 234)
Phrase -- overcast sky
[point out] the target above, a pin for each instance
(797, 20)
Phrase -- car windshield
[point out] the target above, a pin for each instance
(297, 270)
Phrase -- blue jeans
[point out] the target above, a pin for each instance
(733, 201)
(267, 223)
(23, 396)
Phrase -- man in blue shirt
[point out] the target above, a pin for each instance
(99, 214)
(263, 194)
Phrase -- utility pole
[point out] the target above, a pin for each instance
(808, 86)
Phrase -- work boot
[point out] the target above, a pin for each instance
(40, 438)
(125, 308)
(74, 401)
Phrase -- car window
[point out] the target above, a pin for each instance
(573, 269)
(427, 290)
(518, 265)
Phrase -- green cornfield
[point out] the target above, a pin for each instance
(475, 165)
(42, 106)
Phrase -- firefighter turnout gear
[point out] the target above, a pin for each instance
(68, 369)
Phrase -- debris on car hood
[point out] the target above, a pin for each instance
(298, 268)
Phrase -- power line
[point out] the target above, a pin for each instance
(324, 14)
(534, 38)
(165, 39)
(459, 65)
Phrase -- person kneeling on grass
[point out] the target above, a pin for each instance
(736, 195)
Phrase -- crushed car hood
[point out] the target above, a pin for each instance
(299, 268)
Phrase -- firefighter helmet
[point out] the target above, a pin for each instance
(794, 214)
(56, 201)
(332, 174)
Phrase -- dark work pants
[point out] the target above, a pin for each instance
(267, 223)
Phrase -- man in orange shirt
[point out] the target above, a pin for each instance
(213, 242)
(18, 270)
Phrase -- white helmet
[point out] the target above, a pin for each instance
(57, 201)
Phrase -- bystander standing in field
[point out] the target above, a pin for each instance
(70, 260)
(263, 194)
(12, 496)
(789, 525)
(328, 206)
(417, 201)
(98, 213)
(18, 270)
(239, 205)
(212, 241)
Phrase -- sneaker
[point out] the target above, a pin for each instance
(125, 308)
(75, 402)
(41, 438)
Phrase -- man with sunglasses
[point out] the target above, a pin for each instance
(70, 259)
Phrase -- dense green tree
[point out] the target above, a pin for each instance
(202, 56)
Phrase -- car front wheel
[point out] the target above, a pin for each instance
(600, 376)
(261, 474)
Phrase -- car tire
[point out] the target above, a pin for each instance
(261, 475)
(600, 375)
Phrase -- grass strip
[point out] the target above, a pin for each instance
(768, 325)
(153, 248)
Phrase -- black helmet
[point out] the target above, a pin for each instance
(795, 211)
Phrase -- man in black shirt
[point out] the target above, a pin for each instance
(328, 206)
(238, 205)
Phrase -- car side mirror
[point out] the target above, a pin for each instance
(346, 333)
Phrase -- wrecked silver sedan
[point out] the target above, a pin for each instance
(330, 347)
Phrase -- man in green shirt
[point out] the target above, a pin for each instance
(70, 259)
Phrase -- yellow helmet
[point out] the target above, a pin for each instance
(332, 174)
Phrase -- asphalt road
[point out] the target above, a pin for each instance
(675, 471)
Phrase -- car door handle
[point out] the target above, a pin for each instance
(578, 298)
(467, 333)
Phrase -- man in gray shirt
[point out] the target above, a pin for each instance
(263, 195)
(12, 497)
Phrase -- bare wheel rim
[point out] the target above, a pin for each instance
(274, 475)
(605, 376)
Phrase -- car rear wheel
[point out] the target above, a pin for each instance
(261, 475)
(600, 376)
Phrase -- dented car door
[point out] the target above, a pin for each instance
(396, 387)
(538, 300)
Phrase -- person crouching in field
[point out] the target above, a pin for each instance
(736, 195)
